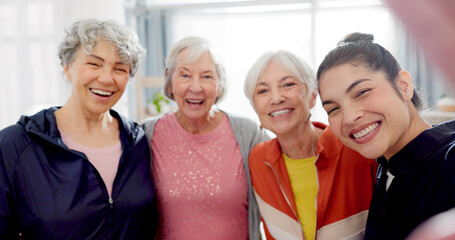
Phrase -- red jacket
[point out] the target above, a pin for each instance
(345, 186)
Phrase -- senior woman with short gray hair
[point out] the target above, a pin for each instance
(307, 183)
(80, 171)
(200, 154)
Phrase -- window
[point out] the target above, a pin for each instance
(244, 30)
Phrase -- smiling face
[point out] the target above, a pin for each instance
(98, 79)
(195, 86)
(281, 101)
(365, 112)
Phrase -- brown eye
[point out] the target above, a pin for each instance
(93, 64)
(362, 92)
(261, 91)
(330, 110)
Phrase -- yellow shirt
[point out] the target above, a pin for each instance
(303, 178)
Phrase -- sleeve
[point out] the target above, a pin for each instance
(266, 231)
(9, 228)
(449, 170)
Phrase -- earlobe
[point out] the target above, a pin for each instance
(404, 84)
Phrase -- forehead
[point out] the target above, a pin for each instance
(342, 74)
(188, 57)
(339, 80)
(104, 49)
(274, 72)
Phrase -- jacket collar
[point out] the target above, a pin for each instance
(328, 147)
(44, 124)
(420, 149)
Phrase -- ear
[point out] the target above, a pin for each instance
(169, 86)
(66, 72)
(166, 73)
(169, 90)
(313, 97)
(404, 84)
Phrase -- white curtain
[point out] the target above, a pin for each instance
(30, 31)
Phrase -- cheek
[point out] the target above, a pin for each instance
(212, 89)
(123, 81)
(258, 104)
(177, 88)
(335, 125)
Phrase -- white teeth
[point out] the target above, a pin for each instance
(101, 92)
(194, 101)
(280, 112)
(366, 131)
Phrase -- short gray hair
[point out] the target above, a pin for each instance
(86, 33)
(289, 61)
(197, 47)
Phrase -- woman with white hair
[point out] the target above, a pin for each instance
(200, 154)
(307, 183)
(80, 171)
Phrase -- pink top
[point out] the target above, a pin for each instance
(200, 182)
(105, 160)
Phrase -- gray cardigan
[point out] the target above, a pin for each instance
(248, 134)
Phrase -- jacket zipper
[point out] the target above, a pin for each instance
(286, 198)
(110, 199)
(289, 203)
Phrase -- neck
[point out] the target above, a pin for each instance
(71, 116)
(416, 126)
(300, 144)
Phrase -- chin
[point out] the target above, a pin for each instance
(368, 153)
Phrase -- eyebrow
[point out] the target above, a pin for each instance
(354, 84)
(349, 89)
(183, 67)
(102, 59)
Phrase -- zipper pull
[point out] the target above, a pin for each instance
(111, 203)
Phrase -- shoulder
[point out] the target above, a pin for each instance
(148, 124)
(239, 122)
(13, 142)
(129, 129)
(263, 149)
(444, 136)
(13, 133)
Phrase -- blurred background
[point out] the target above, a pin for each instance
(242, 30)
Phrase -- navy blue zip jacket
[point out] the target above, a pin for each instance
(48, 191)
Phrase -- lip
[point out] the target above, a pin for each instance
(195, 101)
(280, 112)
(101, 93)
(370, 130)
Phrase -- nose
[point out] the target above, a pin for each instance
(351, 114)
(277, 97)
(195, 84)
(106, 76)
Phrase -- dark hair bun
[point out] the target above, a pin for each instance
(356, 37)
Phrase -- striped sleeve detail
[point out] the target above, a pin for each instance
(350, 228)
(280, 225)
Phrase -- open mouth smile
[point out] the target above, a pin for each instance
(365, 131)
(192, 101)
(280, 112)
(101, 92)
